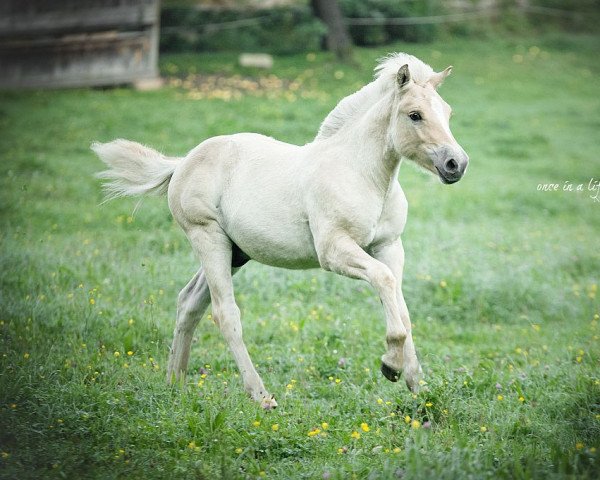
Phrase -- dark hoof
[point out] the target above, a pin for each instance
(389, 373)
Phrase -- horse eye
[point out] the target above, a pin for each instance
(415, 116)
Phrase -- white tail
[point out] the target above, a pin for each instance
(133, 169)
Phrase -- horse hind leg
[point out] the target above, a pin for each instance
(192, 302)
(215, 251)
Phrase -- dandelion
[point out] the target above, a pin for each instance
(275, 427)
(92, 301)
(324, 425)
(521, 398)
(355, 435)
(500, 398)
(379, 401)
(365, 427)
(131, 321)
(238, 450)
(26, 356)
(415, 424)
(407, 419)
(579, 446)
(338, 381)
(117, 354)
(443, 284)
(129, 353)
(192, 445)
(396, 450)
(342, 450)
(289, 386)
(313, 432)
(256, 423)
(483, 429)
(429, 404)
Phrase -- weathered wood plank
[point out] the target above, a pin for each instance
(82, 20)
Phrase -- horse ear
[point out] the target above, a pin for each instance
(438, 78)
(403, 75)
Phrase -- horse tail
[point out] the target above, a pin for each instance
(134, 169)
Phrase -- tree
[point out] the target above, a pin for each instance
(338, 39)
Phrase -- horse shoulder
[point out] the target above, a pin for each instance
(393, 216)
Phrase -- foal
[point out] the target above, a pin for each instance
(334, 203)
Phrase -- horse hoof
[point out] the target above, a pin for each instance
(389, 373)
(268, 403)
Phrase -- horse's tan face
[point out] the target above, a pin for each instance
(423, 117)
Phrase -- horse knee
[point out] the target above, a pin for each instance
(396, 339)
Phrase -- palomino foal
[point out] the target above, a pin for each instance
(334, 203)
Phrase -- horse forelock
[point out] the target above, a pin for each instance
(388, 67)
(385, 79)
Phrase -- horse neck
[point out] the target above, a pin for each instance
(369, 150)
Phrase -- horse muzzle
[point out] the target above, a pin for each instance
(451, 164)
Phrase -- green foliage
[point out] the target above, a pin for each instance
(500, 278)
(382, 9)
(282, 30)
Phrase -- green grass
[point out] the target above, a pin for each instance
(500, 279)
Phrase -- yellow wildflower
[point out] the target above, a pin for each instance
(415, 424)
(238, 450)
(396, 450)
(313, 432)
(275, 427)
(407, 419)
(379, 401)
(355, 435)
(324, 425)
(483, 429)
(364, 427)
(256, 423)
(579, 445)
(429, 404)
(500, 398)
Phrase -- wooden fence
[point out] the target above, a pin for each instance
(72, 43)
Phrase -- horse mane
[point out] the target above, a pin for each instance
(385, 79)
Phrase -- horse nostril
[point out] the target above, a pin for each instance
(451, 165)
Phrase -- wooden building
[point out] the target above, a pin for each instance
(74, 43)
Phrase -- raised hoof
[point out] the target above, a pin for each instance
(389, 373)
(268, 403)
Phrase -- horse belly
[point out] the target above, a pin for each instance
(263, 213)
(280, 244)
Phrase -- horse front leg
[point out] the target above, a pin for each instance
(343, 255)
(392, 255)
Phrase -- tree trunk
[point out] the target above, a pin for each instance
(338, 39)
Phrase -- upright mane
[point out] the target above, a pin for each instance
(385, 79)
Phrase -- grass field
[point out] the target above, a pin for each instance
(501, 280)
